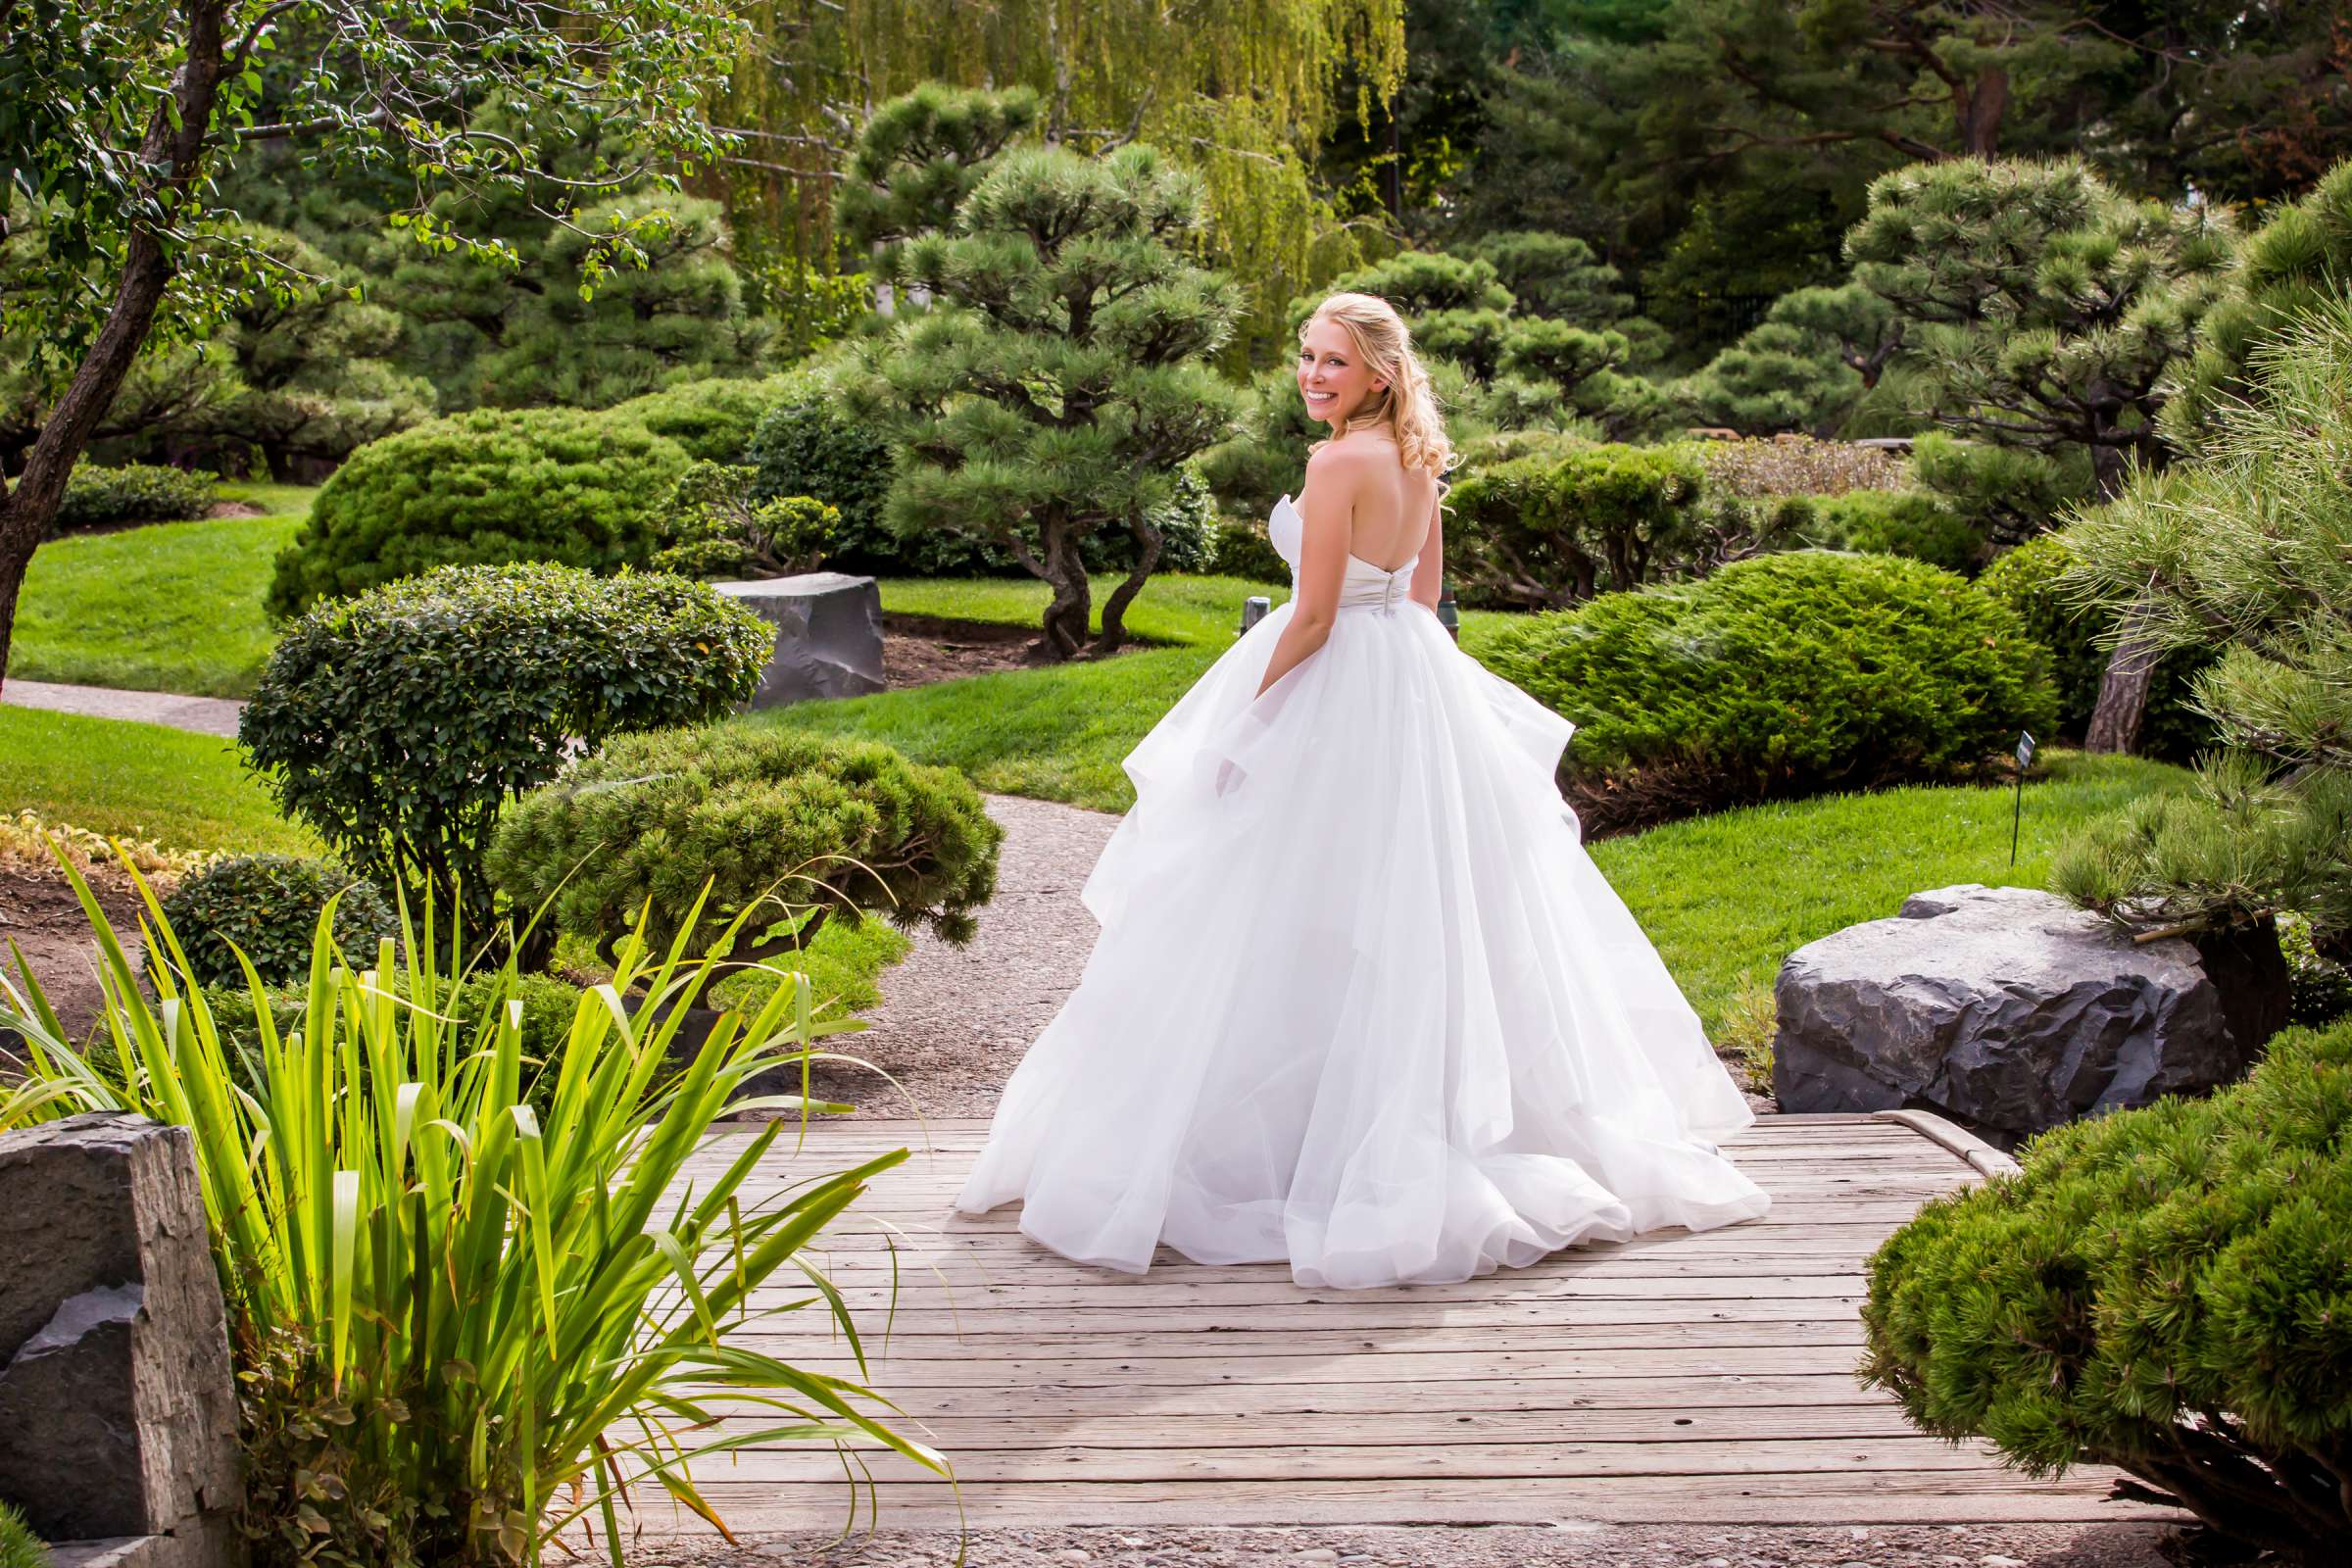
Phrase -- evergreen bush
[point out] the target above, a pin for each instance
(2167, 1291)
(807, 826)
(2241, 557)
(2026, 579)
(1785, 677)
(268, 906)
(713, 420)
(711, 528)
(1565, 522)
(1898, 522)
(133, 492)
(399, 724)
(806, 447)
(483, 488)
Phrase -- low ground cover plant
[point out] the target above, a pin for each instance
(462, 1323)
(2167, 1291)
(1774, 678)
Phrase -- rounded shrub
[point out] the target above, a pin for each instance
(711, 419)
(806, 447)
(399, 724)
(268, 906)
(1560, 524)
(810, 824)
(133, 492)
(483, 488)
(1895, 523)
(2025, 579)
(2166, 1290)
(1778, 677)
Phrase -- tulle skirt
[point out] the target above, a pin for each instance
(1360, 1001)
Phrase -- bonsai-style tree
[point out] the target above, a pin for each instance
(1058, 374)
(1802, 368)
(2046, 315)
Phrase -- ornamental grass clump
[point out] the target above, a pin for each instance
(2167, 1291)
(463, 1328)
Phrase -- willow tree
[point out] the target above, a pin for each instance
(1058, 374)
(1241, 93)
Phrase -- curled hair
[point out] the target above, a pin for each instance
(1407, 407)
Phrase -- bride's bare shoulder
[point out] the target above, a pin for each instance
(1350, 460)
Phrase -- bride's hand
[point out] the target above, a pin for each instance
(1225, 771)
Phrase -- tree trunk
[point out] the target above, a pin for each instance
(1115, 609)
(1981, 106)
(1066, 616)
(2123, 703)
(178, 142)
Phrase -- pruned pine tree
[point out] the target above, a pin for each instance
(2247, 550)
(1057, 376)
(2048, 312)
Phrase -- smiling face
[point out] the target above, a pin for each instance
(1333, 376)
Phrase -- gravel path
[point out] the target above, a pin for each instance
(205, 715)
(953, 1021)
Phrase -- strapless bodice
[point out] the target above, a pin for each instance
(1363, 584)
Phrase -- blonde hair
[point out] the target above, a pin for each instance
(1407, 407)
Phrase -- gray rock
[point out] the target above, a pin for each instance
(117, 1412)
(828, 635)
(2012, 1009)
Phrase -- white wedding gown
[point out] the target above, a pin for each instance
(1368, 1009)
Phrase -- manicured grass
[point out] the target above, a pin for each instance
(1058, 733)
(183, 790)
(1727, 897)
(171, 608)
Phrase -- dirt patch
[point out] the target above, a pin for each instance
(236, 508)
(40, 914)
(922, 649)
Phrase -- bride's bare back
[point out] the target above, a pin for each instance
(1392, 506)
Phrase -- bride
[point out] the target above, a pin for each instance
(1361, 1001)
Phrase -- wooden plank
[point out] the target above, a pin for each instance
(963, 1435)
(1702, 1396)
(1450, 1463)
(804, 1347)
(866, 1282)
(1931, 1496)
(894, 1375)
(1372, 1317)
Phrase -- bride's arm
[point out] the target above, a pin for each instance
(1327, 529)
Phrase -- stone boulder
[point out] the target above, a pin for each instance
(2010, 1008)
(828, 635)
(117, 1408)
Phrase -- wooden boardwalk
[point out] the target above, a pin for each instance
(1676, 1378)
